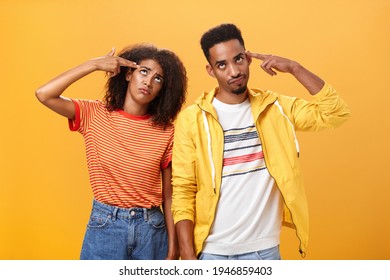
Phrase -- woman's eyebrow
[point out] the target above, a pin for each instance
(147, 68)
(150, 69)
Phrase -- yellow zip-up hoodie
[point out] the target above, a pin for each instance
(198, 154)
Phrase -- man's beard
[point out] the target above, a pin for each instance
(240, 90)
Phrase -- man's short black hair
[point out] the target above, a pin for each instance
(219, 34)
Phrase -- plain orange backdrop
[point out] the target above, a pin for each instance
(45, 196)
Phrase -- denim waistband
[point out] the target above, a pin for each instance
(118, 212)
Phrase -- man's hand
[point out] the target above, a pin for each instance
(271, 62)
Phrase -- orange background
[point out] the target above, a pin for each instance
(45, 196)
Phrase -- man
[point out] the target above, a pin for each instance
(236, 170)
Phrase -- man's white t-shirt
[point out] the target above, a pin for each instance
(250, 207)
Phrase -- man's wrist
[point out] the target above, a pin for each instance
(296, 68)
(187, 254)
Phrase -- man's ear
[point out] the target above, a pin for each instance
(210, 70)
(249, 58)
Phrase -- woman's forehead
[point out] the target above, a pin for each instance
(151, 65)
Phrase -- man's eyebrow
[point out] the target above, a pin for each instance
(219, 62)
(239, 55)
(224, 60)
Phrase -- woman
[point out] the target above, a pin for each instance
(128, 138)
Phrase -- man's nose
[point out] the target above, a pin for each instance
(233, 70)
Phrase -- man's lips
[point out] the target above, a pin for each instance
(238, 80)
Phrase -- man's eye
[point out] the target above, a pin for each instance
(221, 66)
(239, 59)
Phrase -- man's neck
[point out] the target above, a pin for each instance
(231, 98)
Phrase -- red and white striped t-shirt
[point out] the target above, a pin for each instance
(125, 154)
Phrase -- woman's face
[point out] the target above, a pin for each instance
(145, 82)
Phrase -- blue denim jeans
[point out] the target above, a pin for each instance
(267, 254)
(115, 233)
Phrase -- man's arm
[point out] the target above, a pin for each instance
(309, 80)
(184, 185)
(185, 233)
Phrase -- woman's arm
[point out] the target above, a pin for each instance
(173, 247)
(49, 94)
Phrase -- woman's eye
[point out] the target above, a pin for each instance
(158, 79)
(143, 71)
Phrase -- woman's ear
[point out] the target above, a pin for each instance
(128, 74)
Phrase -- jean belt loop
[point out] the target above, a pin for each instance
(145, 214)
(114, 213)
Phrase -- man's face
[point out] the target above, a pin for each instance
(230, 66)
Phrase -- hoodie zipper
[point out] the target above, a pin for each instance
(207, 129)
(301, 252)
